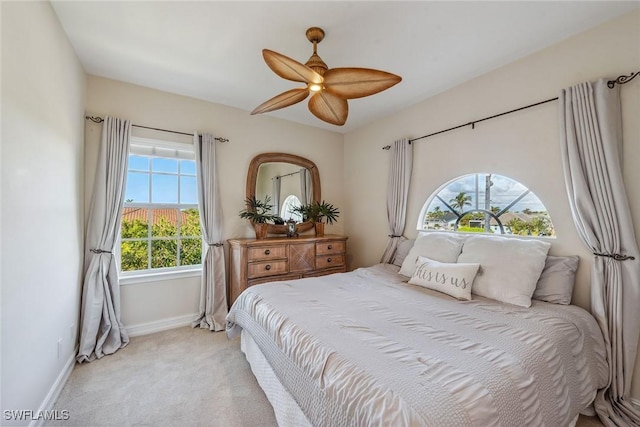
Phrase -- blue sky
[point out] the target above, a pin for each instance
(167, 177)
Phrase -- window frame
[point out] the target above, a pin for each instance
(152, 148)
(424, 211)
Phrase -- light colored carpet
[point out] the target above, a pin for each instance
(182, 377)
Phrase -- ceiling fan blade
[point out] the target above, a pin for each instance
(329, 107)
(353, 83)
(290, 69)
(285, 99)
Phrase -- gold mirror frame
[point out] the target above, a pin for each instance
(252, 177)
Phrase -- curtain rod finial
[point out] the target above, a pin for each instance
(94, 119)
(622, 80)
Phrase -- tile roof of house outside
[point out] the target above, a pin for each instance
(142, 214)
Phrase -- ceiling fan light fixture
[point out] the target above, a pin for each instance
(330, 87)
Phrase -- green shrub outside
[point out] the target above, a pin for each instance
(164, 252)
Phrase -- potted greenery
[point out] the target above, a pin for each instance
(316, 212)
(258, 212)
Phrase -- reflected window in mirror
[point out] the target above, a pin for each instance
(291, 202)
(486, 203)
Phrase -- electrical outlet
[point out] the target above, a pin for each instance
(72, 332)
(59, 347)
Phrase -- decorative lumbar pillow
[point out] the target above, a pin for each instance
(557, 279)
(510, 269)
(443, 247)
(453, 279)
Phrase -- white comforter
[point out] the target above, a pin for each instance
(364, 348)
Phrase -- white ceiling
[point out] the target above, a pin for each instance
(211, 50)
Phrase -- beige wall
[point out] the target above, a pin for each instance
(42, 194)
(523, 145)
(249, 135)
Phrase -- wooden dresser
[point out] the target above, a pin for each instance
(253, 261)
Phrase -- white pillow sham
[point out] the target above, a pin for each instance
(402, 251)
(455, 279)
(510, 268)
(443, 247)
(557, 279)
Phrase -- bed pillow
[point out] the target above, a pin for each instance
(557, 280)
(453, 279)
(401, 251)
(443, 247)
(510, 267)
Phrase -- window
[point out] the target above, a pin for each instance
(486, 203)
(290, 203)
(160, 229)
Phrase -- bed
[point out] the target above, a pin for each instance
(368, 348)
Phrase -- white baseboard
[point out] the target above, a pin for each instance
(161, 325)
(56, 388)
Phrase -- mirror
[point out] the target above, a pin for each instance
(289, 180)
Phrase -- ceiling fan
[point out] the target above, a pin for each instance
(330, 87)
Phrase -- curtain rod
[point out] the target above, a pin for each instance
(100, 120)
(282, 176)
(611, 84)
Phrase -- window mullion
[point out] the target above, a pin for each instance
(179, 221)
(149, 237)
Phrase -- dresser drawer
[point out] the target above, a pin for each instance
(267, 252)
(328, 261)
(267, 268)
(325, 248)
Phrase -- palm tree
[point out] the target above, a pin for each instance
(436, 213)
(460, 201)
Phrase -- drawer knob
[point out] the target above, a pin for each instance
(329, 247)
(328, 260)
(268, 267)
(267, 252)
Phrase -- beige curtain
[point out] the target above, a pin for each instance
(591, 131)
(401, 163)
(213, 289)
(305, 186)
(101, 331)
(276, 182)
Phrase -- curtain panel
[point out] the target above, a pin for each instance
(213, 289)
(591, 135)
(401, 163)
(305, 186)
(101, 331)
(277, 184)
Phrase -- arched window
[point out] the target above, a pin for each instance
(289, 204)
(486, 203)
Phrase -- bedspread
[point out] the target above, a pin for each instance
(364, 348)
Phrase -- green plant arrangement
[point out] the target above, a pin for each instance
(258, 212)
(319, 213)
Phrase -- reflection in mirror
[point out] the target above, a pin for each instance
(280, 181)
(289, 181)
(288, 209)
